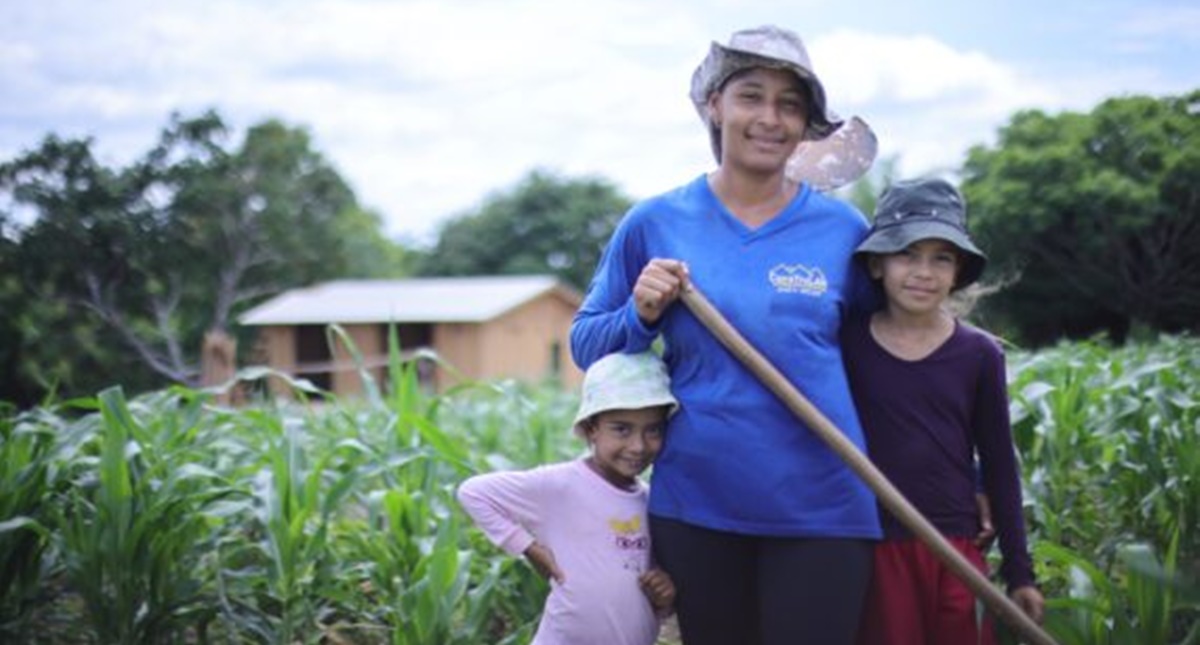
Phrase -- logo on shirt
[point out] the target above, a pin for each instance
(631, 541)
(631, 525)
(628, 533)
(797, 278)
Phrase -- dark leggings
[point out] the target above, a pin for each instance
(734, 589)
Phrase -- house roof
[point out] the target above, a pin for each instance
(468, 299)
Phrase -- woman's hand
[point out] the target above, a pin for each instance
(542, 559)
(659, 284)
(660, 590)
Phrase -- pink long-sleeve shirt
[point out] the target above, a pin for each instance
(600, 539)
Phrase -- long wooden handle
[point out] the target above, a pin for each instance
(860, 464)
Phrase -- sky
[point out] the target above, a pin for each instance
(430, 107)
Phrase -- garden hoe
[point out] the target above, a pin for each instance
(891, 498)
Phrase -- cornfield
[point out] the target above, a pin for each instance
(167, 518)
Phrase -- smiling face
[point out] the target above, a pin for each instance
(761, 114)
(625, 442)
(918, 279)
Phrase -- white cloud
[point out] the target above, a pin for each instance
(427, 106)
(927, 101)
(866, 69)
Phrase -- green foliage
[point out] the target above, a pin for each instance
(1111, 443)
(1137, 602)
(30, 482)
(295, 495)
(1099, 216)
(544, 225)
(114, 274)
(329, 521)
(165, 519)
(1110, 446)
(133, 536)
(78, 242)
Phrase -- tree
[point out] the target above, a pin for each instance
(546, 224)
(125, 269)
(1098, 217)
(46, 343)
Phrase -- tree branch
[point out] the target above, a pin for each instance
(163, 309)
(99, 304)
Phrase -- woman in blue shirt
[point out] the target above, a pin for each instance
(767, 534)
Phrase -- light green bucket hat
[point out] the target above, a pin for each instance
(624, 382)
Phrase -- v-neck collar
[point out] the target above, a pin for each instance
(931, 355)
(786, 217)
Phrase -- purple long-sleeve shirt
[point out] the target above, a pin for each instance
(925, 420)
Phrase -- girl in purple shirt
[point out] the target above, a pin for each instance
(931, 395)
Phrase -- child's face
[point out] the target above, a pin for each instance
(625, 442)
(918, 279)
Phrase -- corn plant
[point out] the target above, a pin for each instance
(1157, 478)
(1134, 604)
(28, 479)
(274, 572)
(1058, 434)
(413, 567)
(131, 536)
(520, 594)
(414, 574)
(514, 425)
(1110, 440)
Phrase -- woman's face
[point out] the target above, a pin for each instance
(762, 115)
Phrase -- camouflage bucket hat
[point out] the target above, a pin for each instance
(833, 154)
(923, 209)
(624, 382)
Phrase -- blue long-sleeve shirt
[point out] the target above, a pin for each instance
(735, 458)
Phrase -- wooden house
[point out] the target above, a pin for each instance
(483, 327)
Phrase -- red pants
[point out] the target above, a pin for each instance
(916, 600)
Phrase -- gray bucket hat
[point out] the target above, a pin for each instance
(624, 382)
(922, 209)
(823, 160)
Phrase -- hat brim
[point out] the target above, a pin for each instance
(893, 239)
(836, 160)
(671, 403)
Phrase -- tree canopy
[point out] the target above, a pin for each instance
(113, 274)
(545, 224)
(1096, 218)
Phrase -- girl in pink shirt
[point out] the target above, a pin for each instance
(582, 523)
